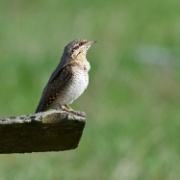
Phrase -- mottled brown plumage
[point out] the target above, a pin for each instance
(70, 78)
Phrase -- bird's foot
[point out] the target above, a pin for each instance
(68, 109)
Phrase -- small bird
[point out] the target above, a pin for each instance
(69, 79)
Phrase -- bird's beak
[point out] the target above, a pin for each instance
(92, 42)
(89, 44)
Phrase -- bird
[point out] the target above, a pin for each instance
(69, 79)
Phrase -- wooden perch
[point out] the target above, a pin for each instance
(54, 130)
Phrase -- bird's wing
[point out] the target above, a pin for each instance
(55, 86)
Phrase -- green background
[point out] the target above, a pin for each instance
(133, 99)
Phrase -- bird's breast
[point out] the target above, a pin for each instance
(76, 86)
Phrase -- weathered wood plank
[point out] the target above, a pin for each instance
(53, 130)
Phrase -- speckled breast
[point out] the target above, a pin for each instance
(76, 87)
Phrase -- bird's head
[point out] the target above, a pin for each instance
(78, 47)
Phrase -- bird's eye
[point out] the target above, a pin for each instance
(76, 47)
(81, 43)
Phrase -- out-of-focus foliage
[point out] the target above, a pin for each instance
(132, 102)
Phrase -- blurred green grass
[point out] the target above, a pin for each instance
(132, 102)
